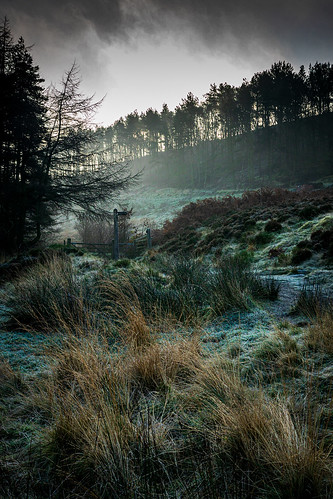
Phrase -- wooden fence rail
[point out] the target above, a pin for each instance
(138, 244)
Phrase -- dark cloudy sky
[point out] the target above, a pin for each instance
(141, 53)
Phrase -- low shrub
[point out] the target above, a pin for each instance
(122, 263)
(262, 238)
(308, 212)
(275, 252)
(300, 255)
(273, 226)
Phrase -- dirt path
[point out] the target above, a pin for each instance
(291, 287)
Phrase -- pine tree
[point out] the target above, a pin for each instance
(51, 160)
(22, 111)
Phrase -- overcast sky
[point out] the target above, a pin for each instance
(142, 53)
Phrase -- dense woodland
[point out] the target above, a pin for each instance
(50, 159)
(276, 128)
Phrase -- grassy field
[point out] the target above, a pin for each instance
(176, 374)
(151, 206)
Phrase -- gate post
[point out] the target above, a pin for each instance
(116, 235)
(148, 239)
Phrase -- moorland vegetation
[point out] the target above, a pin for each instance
(136, 385)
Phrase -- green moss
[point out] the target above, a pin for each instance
(122, 263)
(300, 255)
(324, 223)
(308, 212)
(262, 238)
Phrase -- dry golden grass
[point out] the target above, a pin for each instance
(245, 424)
(92, 399)
(320, 334)
(123, 306)
(128, 412)
(113, 424)
(10, 379)
(159, 365)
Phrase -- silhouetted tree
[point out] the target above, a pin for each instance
(50, 155)
(288, 92)
(152, 125)
(262, 88)
(166, 127)
(210, 114)
(244, 98)
(185, 121)
(22, 128)
(134, 135)
(321, 86)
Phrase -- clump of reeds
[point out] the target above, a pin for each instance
(285, 452)
(311, 301)
(319, 335)
(104, 432)
(122, 305)
(235, 286)
(48, 289)
(11, 381)
(160, 365)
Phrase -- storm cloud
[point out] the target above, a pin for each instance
(296, 26)
(142, 53)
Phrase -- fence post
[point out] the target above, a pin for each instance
(69, 241)
(116, 235)
(148, 238)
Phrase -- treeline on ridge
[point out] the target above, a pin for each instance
(275, 128)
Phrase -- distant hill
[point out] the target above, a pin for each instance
(286, 155)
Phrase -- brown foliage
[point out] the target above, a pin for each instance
(195, 214)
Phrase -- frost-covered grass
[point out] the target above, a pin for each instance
(151, 206)
(129, 399)
(294, 231)
(282, 231)
(173, 376)
(158, 205)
